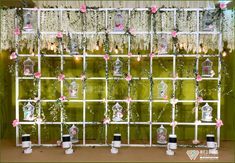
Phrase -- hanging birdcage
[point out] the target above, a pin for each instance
(28, 67)
(208, 22)
(162, 89)
(73, 132)
(118, 22)
(73, 89)
(207, 113)
(28, 22)
(117, 112)
(117, 68)
(28, 112)
(72, 46)
(207, 68)
(162, 45)
(161, 135)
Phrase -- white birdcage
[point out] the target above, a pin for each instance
(73, 132)
(207, 67)
(162, 89)
(28, 67)
(73, 89)
(117, 68)
(161, 135)
(162, 45)
(207, 113)
(28, 110)
(117, 112)
(208, 23)
(118, 22)
(28, 21)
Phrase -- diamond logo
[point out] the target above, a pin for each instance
(192, 154)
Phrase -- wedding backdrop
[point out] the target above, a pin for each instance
(144, 70)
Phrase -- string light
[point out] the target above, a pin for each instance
(97, 46)
(116, 49)
(224, 54)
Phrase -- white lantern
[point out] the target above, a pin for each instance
(207, 68)
(117, 112)
(162, 89)
(117, 68)
(73, 89)
(28, 22)
(73, 46)
(208, 22)
(118, 22)
(28, 112)
(161, 135)
(73, 132)
(28, 67)
(162, 45)
(207, 113)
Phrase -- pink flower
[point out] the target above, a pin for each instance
(36, 99)
(29, 26)
(154, 9)
(128, 100)
(128, 77)
(59, 35)
(37, 75)
(39, 120)
(151, 55)
(106, 57)
(15, 123)
(62, 98)
(17, 31)
(199, 99)
(174, 124)
(83, 8)
(199, 78)
(165, 97)
(219, 123)
(13, 55)
(222, 6)
(83, 77)
(119, 26)
(132, 31)
(173, 33)
(129, 54)
(61, 77)
(106, 120)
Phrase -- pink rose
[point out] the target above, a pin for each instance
(37, 75)
(128, 77)
(154, 9)
(83, 77)
(62, 98)
(17, 31)
(219, 123)
(199, 99)
(15, 123)
(222, 6)
(132, 31)
(173, 33)
(83, 8)
(39, 120)
(129, 54)
(174, 124)
(61, 77)
(106, 120)
(106, 57)
(151, 55)
(199, 78)
(59, 35)
(128, 100)
(13, 55)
